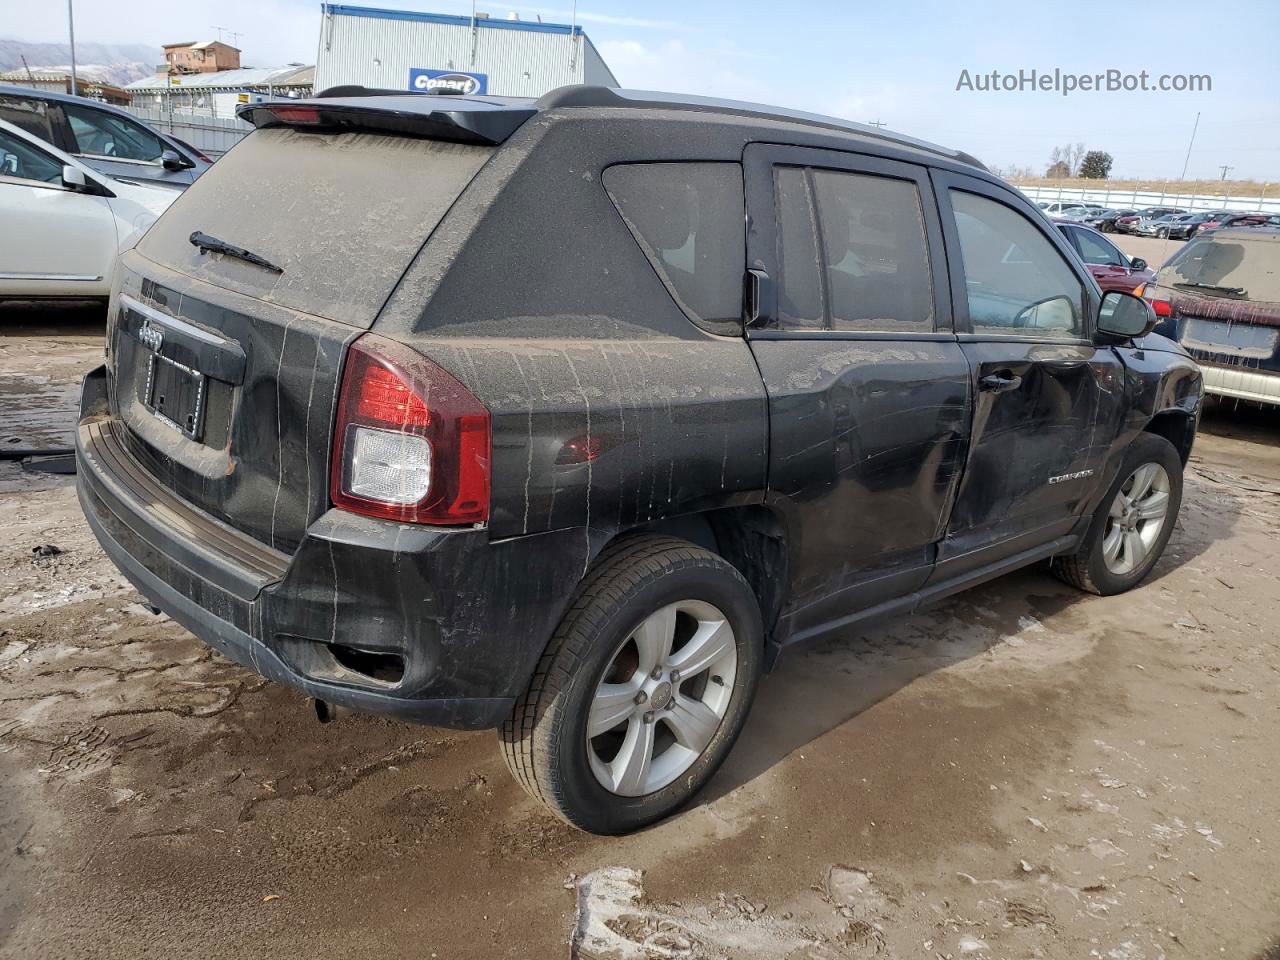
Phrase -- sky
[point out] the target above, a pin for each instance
(895, 62)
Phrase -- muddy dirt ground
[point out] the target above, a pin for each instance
(1022, 772)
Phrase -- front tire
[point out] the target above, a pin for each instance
(643, 688)
(1132, 524)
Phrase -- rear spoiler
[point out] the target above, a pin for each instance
(481, 120)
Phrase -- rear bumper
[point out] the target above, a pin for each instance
(1260, 386)
(466, 618)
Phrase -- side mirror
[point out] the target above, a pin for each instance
(73, 178)
(1125, 316)
(173, 160)
(1137, 263)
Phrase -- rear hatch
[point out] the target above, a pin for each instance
(225, 370)
(1221, 297)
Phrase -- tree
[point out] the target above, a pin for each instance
(1073, 157)
(1064, 161)
(1096, 165)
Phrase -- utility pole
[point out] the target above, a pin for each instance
(1224, 169)
(1189, 145)
(71, 28)
(877, 124)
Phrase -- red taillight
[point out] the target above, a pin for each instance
(384, 398)
(411, 442)
(1163, 308)
(288, 114)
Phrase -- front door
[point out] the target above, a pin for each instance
(868, 388)
(1046, 400)
(118, 146)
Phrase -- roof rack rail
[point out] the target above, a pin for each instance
(583, 95)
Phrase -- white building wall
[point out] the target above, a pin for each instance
(380, 52)
(597, 71)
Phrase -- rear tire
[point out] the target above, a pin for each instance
(1132, 524)
(606, 670)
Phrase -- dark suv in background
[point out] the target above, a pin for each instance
(105, 138)
(569, 417)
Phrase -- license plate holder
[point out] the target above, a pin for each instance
(175, 394)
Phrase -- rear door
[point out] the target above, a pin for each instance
(868, 389)
(1046, 399)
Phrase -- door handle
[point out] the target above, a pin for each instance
(1000, 382)
(757, 297)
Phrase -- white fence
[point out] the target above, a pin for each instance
(1138, 199)
(210, 135)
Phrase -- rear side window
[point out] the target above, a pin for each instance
(876, 259)
(29, 115)
(689, 220)
(341, 213)
(1095, 250)
(852, 253)
(801, 293)
(1017, 283)
(101, 134)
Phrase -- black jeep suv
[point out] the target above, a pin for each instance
(567, 417)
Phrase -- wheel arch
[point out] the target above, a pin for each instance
(752, 538)
(1178, 427)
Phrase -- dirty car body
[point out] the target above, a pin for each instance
(574, 276)
(1219, 297)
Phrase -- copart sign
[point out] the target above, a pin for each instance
(448, 81)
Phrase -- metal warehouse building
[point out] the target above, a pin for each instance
(403, 50)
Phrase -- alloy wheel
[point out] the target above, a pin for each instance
(662, 698)
(1137, 515)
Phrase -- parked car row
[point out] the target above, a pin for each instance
(64, 223)
(1163, 222)
(103, 137)
(79, 182)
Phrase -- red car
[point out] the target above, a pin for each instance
(1236, 220)
(1111, 267)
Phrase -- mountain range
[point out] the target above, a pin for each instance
(118, 63)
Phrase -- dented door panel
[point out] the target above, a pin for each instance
(868, 440)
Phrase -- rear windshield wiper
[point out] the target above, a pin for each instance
(208, 244)
(1237, 291)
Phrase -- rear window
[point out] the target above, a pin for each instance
(1221, 267)
(688, 218)
(341, 213)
